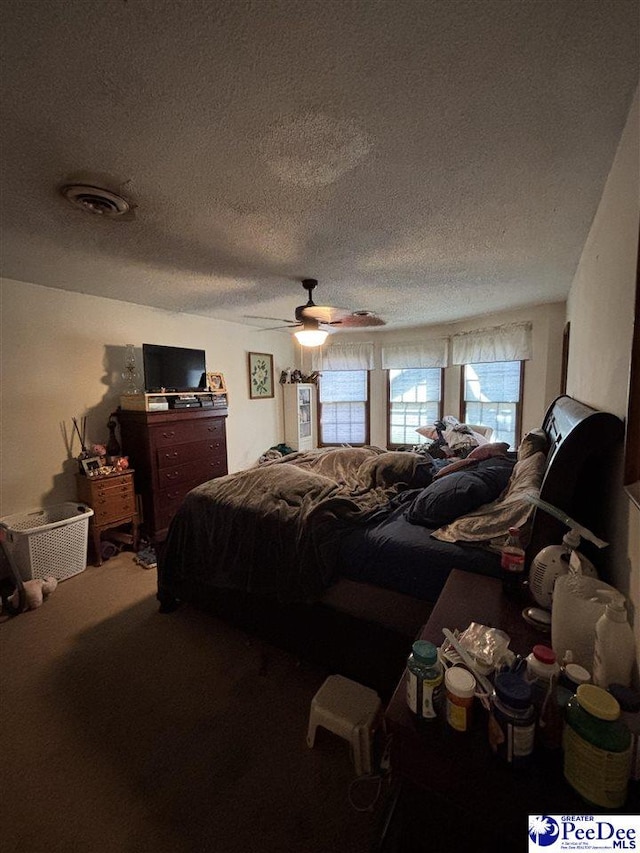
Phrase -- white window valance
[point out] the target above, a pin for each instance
(354, 356)
(500, 343)
(431, 353)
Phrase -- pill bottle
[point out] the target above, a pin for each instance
(572, 675)
(424, 680)
(512, 719)
(460, 687)
(597, 747)
(542, 666)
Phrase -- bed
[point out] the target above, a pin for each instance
(299, 535)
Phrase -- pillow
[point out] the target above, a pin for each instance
(489, 525)
(485, 451)
(449, 497)
(535, 441)
(427, 432)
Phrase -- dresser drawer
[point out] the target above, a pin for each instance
(117, 506)
(181, 433)
(101, 489)
(182, 453)
(170, 501)
(214, 465)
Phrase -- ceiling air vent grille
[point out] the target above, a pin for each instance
(96, 200)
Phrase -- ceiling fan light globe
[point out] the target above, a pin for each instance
(311, 337)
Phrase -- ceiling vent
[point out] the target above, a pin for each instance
(96, 200)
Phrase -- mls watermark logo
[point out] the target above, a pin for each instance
(543, 831)
(583, 832)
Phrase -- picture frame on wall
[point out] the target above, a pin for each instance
(260, 376)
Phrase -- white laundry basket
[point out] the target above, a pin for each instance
(48, 541)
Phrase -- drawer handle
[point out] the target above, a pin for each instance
(170, 434)
(171, 475)
(173, 455)
(174, 495)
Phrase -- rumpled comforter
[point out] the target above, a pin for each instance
(275, 529)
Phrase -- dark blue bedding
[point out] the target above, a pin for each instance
(391, 552)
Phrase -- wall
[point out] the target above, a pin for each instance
(601, 313)
(62, 357)
(542, 372)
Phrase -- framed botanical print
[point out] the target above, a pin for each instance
(260, 375)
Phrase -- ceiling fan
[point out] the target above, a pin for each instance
(309, 318)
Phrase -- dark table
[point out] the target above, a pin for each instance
(453, 777)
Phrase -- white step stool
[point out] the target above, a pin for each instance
(351, 711)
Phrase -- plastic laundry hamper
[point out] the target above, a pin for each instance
(51, 541)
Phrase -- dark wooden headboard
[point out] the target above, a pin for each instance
(585, 447)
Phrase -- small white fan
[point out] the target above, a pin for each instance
(552, 562)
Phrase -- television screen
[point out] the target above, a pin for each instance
(173, 369)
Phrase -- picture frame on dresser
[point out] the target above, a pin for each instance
(216, 383)
(91, 465)
(260, 376)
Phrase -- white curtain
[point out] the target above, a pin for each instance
(431, 353)
(500, 343)
(343, 357)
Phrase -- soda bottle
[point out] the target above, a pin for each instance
(512, 562)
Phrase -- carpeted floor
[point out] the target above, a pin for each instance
(127, 730)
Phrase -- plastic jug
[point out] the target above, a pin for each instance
(578, 603)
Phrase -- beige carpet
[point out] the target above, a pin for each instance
(127, 730)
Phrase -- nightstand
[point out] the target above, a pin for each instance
(113, 501)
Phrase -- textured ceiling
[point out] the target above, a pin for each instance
(428, 160)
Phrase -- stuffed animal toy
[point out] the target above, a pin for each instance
(35, 592)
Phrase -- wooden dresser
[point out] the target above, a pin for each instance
(172, 452)
(113, 501)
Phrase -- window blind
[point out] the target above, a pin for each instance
(500, 343)
(356, 356)
(431, 353)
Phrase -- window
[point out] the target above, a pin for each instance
(344, 407)
(415, 399)
(492, 396)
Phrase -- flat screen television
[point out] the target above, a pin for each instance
(176, 369)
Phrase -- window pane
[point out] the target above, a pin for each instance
(343, 423)
(414, 400)
(492, 396)
(343, 407)
(496, 382)
(343, 385)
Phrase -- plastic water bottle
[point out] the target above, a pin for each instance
(424, 680)
(542, 666)
(512, 562)
(614, 647)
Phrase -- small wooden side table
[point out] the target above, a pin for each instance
(113, 501)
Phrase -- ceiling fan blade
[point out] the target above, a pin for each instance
(275, 319)
(275, 328)
(322, 313)
(361, 320)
